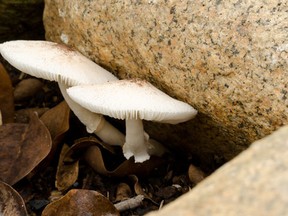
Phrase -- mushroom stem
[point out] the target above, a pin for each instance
(154, 147)
(135, 144)
(95, 123)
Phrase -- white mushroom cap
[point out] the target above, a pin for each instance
(54, 62)
(132, 99)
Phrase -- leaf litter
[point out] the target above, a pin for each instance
(11, 203)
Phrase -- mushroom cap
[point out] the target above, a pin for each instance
(54, 62)
(132, 99)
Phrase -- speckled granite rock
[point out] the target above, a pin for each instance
(253, 183)
(228, 59)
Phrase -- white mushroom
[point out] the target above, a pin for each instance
(134, 101)
(55, 62)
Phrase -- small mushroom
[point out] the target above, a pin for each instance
(55, 62)
(134, 101)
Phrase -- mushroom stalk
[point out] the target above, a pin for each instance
(135, 144)
(95, 123)
(133, 100)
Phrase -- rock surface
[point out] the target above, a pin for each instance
(228, 59)
(253, 183)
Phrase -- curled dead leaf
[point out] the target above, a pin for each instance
(78, 149)
(11, 203)
(81, 202)
(67, 173)
(100, 159)
(23, 147)
(137, 187)
(139, 190)
(94, 158)
(107, 161)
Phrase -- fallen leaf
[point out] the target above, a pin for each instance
(6, 96)
(100, 160)
(94, 158)
(27, 88)
(123, 192)
(22, 115)
(77, 150)
(81, 202)
(195, 174)
(11, 203)
(57, 121)
(67, 173)
(23, 147)
(139, 190)
(137, 187)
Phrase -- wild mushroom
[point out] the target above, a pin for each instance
(134, 101)
(55, 62)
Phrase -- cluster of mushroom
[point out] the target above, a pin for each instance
(91, 91)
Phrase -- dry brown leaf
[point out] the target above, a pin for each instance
(22, 115)
(139, 190)
(26, 89)
(77, 150)
(195, 174)
(137, 187)
(123, 192)
(67, 173)
(11, 203)
(57, 121)
(23, 147)
(81, 202)
(94, 152)
(6, 96)
(94, 156)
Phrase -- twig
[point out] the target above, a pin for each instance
(1, 122)
(161, 204)
(129, 203)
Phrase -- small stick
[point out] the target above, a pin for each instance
(129, 203)
(1, 122)
(161, 204)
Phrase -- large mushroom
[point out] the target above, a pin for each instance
(55, 62)
(134, 101)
